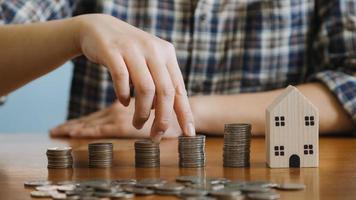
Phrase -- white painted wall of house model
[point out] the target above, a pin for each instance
(292, 131)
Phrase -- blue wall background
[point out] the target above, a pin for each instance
(38, 106)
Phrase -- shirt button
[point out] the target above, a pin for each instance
(202, 17)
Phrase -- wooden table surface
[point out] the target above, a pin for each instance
(22, 157)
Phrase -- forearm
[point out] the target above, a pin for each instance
(212, 112)
(29, 51)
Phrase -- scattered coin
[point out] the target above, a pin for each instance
(191, 151)
(122, 197)
(207, 186)
(139, 191)
(264, 196)
(218, 180)
(58, 196)
(100, 155)
(172, 189)
(185, 187)
(227, 194)
(36, 183)
(47, 188)
(147, 153)
(189, 192)
(41, 194)
(255, 188)
(123, 182)
(150, 183)
(200, 198)
(290, 186)
(59, 157)
(236, 150)
(263, 184)
(64, 188)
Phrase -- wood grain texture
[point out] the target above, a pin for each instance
(23, 158)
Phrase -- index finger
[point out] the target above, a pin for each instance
(181, 102)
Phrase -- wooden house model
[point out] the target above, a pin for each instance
(292, 131)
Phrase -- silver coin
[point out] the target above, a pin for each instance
(170, 187)
(66, 187)
(139, 191)
(189, 192)
(255, 188)
(58, 196)
(150, 183)
(200, 198)
(264, 196)
(36, 183)
(47, 188)
(291, 186)
(41, 194)
(122, 196)
(226, 194)
(123, 182)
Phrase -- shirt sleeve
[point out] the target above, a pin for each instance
(25, 11)
(336, 50)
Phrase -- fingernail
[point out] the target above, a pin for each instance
(157, 138)
(190, 129)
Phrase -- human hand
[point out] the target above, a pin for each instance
(114, 121)
(151, 64)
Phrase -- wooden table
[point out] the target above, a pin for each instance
(22, 157)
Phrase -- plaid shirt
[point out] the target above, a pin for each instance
(223, 46)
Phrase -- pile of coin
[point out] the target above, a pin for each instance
(191, 151)
(147, 153)
(59, 157)
(185, 187)
(237, 139)
(100, 155)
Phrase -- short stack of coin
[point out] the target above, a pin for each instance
(237, 139)
(147, 153)
(191, 151)
(59, 157)
(100, 155)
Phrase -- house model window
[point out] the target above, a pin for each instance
(308, 149)
(279, 150)
(279, 120)
(309, 121)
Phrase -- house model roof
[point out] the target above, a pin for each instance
(289, 90)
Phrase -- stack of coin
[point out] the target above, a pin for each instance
(191, 151)
(59, 157)
(100, 155)
(147, 153)
(237, 139)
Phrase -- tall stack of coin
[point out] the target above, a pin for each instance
(191, 151)
(100, 155)
(147, 153)
(237, 139)
(59, 157)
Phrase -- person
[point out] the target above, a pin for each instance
(235, 56)
(29, 51)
